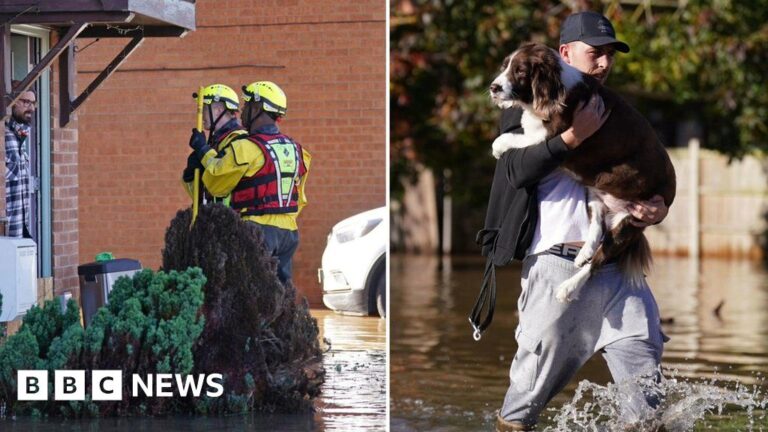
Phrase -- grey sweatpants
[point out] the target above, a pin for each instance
(556, 339)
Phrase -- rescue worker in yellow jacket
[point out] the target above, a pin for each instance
(263, 174)
(220, 109)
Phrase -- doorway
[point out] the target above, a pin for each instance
(28, 45)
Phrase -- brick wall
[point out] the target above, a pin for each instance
(330, 58)
(64, 194)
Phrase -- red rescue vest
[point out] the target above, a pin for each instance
(274, 188)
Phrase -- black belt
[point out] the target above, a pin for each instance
(566, 251)
(569, 252)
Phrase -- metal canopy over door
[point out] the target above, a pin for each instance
(132, 19)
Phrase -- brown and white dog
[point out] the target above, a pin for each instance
(623, 161)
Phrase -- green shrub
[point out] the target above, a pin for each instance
(246, 325)
(150, 326)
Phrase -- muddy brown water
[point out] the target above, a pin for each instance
(353, 396)
(442, 380)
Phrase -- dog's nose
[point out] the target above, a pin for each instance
(495, 88)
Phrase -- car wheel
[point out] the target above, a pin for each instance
(381, 295)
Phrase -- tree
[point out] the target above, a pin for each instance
(443, 54)
(707, 60)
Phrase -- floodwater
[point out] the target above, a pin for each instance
(353, 396)
(442, 380)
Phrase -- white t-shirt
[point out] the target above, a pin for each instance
(562, 212)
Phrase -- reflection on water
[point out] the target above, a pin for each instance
(353, 397)
(444, 381)
(354, 394)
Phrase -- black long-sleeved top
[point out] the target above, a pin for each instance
(512, 208)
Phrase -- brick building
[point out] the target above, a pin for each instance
(116, 167)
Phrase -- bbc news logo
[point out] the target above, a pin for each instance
(107, 385)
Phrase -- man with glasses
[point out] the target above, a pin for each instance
(17, 170)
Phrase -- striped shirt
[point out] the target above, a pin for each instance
(17, 187)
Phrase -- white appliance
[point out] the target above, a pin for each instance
(18, 276)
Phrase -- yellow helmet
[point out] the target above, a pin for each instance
(220, 93)
(270, 94)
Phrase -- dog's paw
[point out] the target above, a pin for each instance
(582, 258)
(568, 290)
(501, 144)
(563, 295)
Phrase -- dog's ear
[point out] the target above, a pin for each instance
(548, 89)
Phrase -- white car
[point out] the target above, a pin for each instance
(353, 272)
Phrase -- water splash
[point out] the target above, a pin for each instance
(683, 404)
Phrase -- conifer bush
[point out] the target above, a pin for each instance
(215, 307)
(149, 326)
(256, 334)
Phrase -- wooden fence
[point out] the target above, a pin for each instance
(720, 208)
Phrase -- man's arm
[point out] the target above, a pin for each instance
(188, 175)
(223, 172)
(527, 165)
(303, 181)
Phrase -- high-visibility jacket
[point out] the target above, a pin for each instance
(238, 158)
(225, 139)
(272, 189)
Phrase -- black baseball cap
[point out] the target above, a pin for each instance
(592, 29)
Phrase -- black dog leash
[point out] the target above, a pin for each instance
(487, 297)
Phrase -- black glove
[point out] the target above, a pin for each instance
(193, 163)
(198, 143)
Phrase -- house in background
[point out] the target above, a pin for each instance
(110, 176)
(38, 47)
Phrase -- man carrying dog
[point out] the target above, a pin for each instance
(538, 214)
(262, 172)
